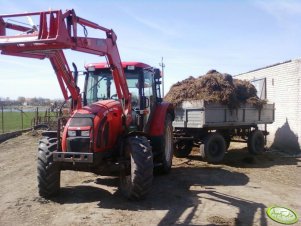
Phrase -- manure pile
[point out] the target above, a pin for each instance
(215, 87)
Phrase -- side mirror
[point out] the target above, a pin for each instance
(75, 73)
(157, 73)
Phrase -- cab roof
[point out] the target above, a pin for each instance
(124, 65)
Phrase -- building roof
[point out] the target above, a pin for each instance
(273, 65)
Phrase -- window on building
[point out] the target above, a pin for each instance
(260, 85)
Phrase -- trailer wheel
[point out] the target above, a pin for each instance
(227, 137)
(213, 149)
(183, 148)
(228, 141)
(256, 142)
(136, 178)
(48, 171)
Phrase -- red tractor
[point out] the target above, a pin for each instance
(119, 122)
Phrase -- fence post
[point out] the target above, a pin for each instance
(2, 116)
(22, 118)
(49, 116)
(37, 116)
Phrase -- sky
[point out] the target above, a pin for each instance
(192, 37)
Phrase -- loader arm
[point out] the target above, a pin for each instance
(58, 31)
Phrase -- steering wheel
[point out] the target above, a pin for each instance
(114, 96)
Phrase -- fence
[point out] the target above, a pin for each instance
(20, 118)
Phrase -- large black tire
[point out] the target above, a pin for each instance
(167, 147)
(227, 137)
(256, 142)
(213, 149)
(183, 148)
(48, 171)
(136, 180)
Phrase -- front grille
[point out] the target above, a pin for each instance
(78, 144)
(79, 120)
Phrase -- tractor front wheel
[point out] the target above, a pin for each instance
(136, 178)
(48, 171)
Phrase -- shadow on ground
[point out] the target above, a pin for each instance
(176, 194)
(241, 158)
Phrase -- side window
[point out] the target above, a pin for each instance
(91, 90)
(100, 86)
(101, 89)
(110, 88)
(133, 89)
(260, 85)
(148, 84)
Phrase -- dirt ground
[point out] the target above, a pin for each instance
(236, 192)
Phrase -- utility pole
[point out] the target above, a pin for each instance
(162, 65)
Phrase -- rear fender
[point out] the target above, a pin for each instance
(158, 120)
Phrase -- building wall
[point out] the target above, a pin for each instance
(283, 87)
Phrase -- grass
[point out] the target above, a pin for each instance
(13, 120)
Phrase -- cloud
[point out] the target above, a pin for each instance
(153, 25)
(285, 13)
(280, 9)
(149, 23)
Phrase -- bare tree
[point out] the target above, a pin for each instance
(22, 100)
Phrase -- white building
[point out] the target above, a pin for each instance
(281, 84)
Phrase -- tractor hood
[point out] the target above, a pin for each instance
(100, 121)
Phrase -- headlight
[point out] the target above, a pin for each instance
(85, 133)
(71, 133)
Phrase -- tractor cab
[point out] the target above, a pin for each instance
(143, 83)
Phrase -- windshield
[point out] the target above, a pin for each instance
(101, 86)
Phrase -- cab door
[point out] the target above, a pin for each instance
(148, 98)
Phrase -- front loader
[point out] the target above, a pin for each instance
(118, 124)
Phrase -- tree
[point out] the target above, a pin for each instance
(21, 100)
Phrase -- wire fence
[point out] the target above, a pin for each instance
(20, 118)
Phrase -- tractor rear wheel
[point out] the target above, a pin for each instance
(136, 179)
(48, 171)
(167, 147)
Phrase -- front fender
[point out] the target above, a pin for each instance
(158, 120)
